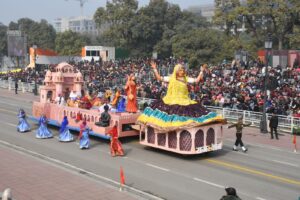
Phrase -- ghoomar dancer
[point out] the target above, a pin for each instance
(23, 125)
(115, 145)
(84, 140)
(43, 132)
(64, 132)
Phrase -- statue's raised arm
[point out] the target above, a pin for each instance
(154, 67)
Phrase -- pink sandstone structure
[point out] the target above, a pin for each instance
(63, 80)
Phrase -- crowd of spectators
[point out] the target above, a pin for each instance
(233, 85)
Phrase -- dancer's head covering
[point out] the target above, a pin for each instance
(64, 124)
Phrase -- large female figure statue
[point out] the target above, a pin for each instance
(64, 132)
(130, 89)
(23, 125)
(176, 109)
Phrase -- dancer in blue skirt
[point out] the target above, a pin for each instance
(43, 131)
(84, 141)
(64, 132)
(23, 125)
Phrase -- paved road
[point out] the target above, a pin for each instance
(270, 169)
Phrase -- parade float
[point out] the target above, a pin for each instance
(176, 123)
(61, 82)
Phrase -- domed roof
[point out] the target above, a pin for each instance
(59, 74)
(49, 73)
(78, 75)
(62, 66)
(47, 79)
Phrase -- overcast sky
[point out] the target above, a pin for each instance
(12, 10)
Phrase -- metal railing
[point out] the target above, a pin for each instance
(22, 86)
(285, 123)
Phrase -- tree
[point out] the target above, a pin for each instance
(260, 17)
(69, 43)
(40, 33)
(199, 45)
(183, 22)
(3, 40)
(118, 15)
(44, 35)
(294, 38)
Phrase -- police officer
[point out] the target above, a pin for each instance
(16, 86)
(239, 127)
(273, 125)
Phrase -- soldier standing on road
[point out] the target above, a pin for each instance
(239, 127)
(16, 86)
(273, 125)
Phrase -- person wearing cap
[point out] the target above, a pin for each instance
(239, 127)
(230, 194)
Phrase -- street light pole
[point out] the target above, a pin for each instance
(263, 123)
(35, 92)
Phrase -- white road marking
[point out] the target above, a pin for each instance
(267, 147)
(10, 124)
(285, 163)
(16, 105)
(259, 198)
(209, 183)
(157, 167)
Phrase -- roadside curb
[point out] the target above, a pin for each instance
(81, 171)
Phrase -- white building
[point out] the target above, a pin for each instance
(97, 52)
(207, 11)
(77, 24)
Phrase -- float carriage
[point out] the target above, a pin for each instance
(195, 140)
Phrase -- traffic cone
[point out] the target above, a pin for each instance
(295, 143)
(122, 179)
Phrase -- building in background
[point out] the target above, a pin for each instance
(207, 11)
(81, 24)
(98, 52)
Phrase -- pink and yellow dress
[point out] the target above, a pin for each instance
(176, 110)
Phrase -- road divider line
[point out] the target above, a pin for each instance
(17, 105)
(9, 124)
(285, 163)
(209, 183)
(157, 167)
(259, 198)
(9, 111)
(267, 147)
(253, 171)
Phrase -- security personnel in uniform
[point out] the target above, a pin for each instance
(273, 125)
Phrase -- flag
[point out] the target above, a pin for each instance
(122, 177)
